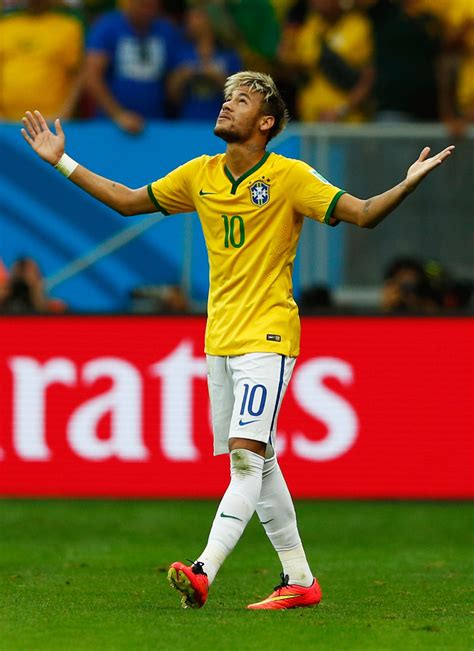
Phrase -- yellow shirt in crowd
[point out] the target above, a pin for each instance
(457, 17)
(351, 38)
(39, 55)
(251, 226)
(462, 23)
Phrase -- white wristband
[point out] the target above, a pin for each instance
(66, 165)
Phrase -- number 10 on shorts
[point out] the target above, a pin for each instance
(254, 400)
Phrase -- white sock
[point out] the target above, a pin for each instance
(277, 514)
(235, 509)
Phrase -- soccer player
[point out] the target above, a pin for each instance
(251, 205)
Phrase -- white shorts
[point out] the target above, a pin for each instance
(246, 392)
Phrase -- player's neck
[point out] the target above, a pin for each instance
(241, 157)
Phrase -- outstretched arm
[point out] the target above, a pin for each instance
(371, 212)
(50, 147)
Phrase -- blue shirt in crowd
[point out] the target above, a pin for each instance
(137, 63)
(203, 97)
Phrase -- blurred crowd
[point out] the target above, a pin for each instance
(22, 290)
(410, 286)
(335, 60)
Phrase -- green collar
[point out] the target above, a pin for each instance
(237, 182)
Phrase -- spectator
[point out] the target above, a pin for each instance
(25, 293)
(8, 5)
(441, 9)
(90, 10)
(253, 25)
(407, 288)
(454, 294)
(332, 52)
(3, 282)
(407, 44)
(457, 108)
(40, 60)
(195, 86)
(458, 295)
(316, 299)
(160, 299)
(130, 51)
(174, 10)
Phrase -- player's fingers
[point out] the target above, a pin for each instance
(441, 157)
(41, 121)
(26, 137)
(424, 153)
(29, 127)
(34, 121)
(59, 129)
(446, 152)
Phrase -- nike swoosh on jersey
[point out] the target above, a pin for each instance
(246, 422)
(224, 515)
(267, 521)
(202, 193)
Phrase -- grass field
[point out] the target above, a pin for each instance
(77, 575)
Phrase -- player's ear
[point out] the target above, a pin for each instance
(266, 123)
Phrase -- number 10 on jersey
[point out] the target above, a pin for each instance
(234, 231)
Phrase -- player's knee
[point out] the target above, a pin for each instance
(245, 463)
(247, 444)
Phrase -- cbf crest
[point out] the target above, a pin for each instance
(259, 193)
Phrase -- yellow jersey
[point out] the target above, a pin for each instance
(462, 22)
(351, 38)
(251, 227)
(457, 17)
(39, 58)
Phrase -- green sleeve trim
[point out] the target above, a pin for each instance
(331, 207)
(153, 198)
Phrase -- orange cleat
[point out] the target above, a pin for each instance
(191, 581)
(290, 596)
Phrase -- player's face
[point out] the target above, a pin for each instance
(240, 117)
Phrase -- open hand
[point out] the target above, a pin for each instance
(425, 165)
(49, 146)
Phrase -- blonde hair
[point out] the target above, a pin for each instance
(272, 102)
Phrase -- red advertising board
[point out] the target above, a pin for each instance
(118, 406)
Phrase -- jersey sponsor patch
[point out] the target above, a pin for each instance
(259, 193)
(273, 338)
(319, 176)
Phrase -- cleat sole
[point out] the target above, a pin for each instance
(179, 581)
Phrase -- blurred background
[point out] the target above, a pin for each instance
(368, 83)
(138, 85)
